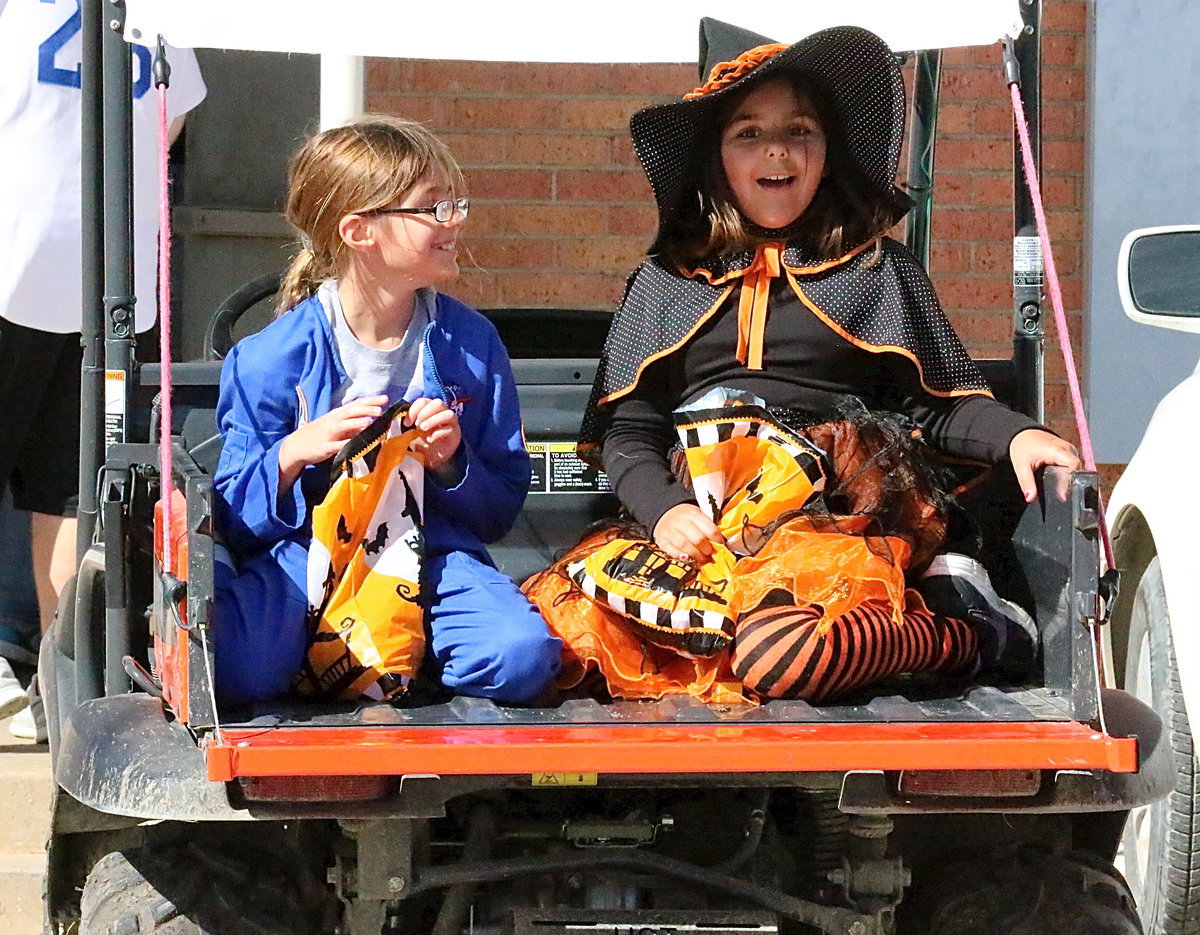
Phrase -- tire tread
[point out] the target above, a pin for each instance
(1175, 908)
(191, 890)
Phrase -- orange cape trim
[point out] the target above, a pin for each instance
(714, 280)
(604, 400)
(876, 348)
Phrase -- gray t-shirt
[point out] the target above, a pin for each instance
(371, 371)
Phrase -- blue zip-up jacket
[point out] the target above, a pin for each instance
(290, 372)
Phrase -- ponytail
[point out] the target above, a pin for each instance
(302, 279)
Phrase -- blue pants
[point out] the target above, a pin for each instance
(485, 637)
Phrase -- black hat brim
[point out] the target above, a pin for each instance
(858, 72)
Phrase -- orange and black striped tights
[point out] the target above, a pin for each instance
(785, 651)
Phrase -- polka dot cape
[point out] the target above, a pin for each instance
(883, 303)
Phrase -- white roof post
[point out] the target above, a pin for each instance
(341, 89)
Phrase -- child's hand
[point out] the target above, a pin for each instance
(439, 425)
(1036, 448)
(322, 438)
(686, 533)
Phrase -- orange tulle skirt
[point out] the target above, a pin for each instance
(652, 626)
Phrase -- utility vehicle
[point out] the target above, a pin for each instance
(916, 807)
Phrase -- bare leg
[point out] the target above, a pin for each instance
(53, 541)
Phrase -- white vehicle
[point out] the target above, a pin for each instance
(1154, 645)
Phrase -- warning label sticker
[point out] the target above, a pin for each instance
(556, 468)
(564, 779)
(114, 406)
(1028, 268)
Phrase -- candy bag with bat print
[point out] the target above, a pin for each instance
(366, 622)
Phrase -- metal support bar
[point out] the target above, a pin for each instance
(921, 136)
(342, 94)
(91, 420)
(87, 640)
(1024, 66)
(198, 493)
(382, 873)
(118, 220)
(118, 641)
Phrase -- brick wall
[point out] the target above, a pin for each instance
(562, 211)
(972, 218)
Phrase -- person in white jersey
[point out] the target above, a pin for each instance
(40, 266)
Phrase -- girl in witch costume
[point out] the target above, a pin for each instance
(788, 352)
(367, 352)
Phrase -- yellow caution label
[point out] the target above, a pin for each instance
(564, 779)
(555, 467)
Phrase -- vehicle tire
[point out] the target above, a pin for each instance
(1161, 839)
(192, 890)
(1034, 891)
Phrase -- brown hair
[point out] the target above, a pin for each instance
(353, 169)
(847, 209)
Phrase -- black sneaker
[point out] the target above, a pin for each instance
(956, 585)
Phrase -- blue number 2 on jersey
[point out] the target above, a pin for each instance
(50, 73)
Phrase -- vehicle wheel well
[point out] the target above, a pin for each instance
(1134, 548)
(1159, 848)
(1004, 895)
(201, 888)
(70, 859)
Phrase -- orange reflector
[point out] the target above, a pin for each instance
(315, 788)
(976, 783)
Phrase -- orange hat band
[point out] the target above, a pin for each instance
(725, 73)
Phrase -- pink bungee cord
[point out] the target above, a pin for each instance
(1056, 302)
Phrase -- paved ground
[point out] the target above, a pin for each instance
(24, 818)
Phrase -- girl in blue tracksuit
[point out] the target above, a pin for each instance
(378, 206)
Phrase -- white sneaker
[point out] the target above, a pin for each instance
(30, 724)
(12, 695)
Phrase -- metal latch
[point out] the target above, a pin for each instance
(1087, 511)
(1108, 590)
(602, 833)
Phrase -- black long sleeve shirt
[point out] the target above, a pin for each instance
(807, 366)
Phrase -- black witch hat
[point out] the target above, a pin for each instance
(856, 69)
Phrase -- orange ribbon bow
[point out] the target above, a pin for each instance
(752, 303)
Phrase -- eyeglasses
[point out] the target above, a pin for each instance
(442, 212)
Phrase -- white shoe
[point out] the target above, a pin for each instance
(30, 724)
(12, 695)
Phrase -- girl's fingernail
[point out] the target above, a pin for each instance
(1029, 495)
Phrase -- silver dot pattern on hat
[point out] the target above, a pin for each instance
(855, 67)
